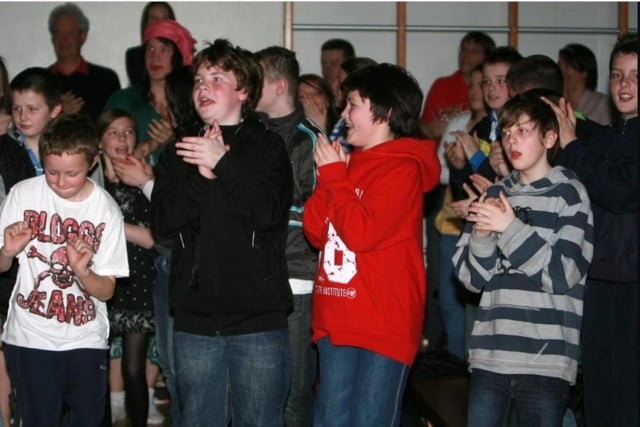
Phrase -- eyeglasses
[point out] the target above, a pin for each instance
(519, 130)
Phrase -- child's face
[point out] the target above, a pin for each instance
(526, 148)
(157, 59)
(361, 130)
(66, 175)
(623, 82)
(30, 112)
(119, 139)
(215, 96)
(494, 85)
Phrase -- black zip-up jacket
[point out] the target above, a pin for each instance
(229, 274)
(607, 164)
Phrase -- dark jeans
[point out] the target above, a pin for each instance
(45, 381)
(304, 362)
(610, 354)
(252, 370)
(497, 400)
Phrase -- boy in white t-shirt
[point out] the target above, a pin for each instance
(68, 235)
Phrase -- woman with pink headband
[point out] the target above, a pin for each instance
(168, 46)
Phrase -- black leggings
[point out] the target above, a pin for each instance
(134, 356)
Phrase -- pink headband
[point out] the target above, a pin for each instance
(171, 30)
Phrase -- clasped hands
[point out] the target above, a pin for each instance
(203, 151)
(490, 214)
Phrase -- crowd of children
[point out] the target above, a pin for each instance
(284, 274)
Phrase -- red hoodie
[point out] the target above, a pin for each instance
(366, 218)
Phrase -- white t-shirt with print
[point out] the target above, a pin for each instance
(48, 310)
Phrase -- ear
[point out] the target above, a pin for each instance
(550, 139)
(83, 38)
(282, 86)
(243, 95)
(55, 112)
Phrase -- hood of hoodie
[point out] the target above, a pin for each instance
(556, 175)
(422, 151)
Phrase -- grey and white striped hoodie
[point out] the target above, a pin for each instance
(532, 277)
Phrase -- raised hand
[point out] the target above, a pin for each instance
(455, 154)
(470, 144)
(490, 215)
(327, 152)
(133, 171)
(80, 254)
(566, 119)
(497, 160)
(16, 237)
(71, 104)
(203, 151)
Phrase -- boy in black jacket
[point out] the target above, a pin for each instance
(224, 196)
(607, 164)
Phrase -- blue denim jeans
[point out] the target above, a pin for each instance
(164, 331)
(452, 307)
(253, 370)
(358, 388)
(304, 362)
(497, 400)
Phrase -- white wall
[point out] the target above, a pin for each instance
(254, 25)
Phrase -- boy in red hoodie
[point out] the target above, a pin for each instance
(366, 217)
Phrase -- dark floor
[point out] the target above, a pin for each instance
(437, 391)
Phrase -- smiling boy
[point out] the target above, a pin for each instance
(365, 215)
(68, 235)
(607, 163)
(527, 247)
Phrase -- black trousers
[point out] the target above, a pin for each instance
(610, 354)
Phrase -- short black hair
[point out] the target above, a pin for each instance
(539, 112)
(71, 134)
(626, 45)
(478, 37)
(340, 44)
(503, 55)
(39, 80)
(535, 71)
(581, 58)
(397, 100)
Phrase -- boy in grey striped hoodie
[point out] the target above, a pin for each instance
(527, 246)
